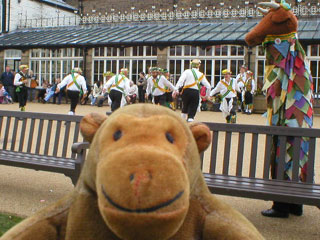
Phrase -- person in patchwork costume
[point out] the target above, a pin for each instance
(289, 88)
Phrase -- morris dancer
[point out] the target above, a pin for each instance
(227, 87)
(156, 87)
(76, 86)
(241, 79)
(20, 81)
(118, 87)
(249, 88)
(169, 99)
(189, 82)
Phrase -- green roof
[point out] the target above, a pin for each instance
(209, 33)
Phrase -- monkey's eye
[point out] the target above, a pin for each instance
(117, 135)
(169, 137)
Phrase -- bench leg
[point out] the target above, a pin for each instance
(74, 179)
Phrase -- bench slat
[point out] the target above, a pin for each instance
(240, 154)
(253, 158)
(266, 191)
(47, 143)
(295, 158)
(22, 134)
(226, 159)
(6, 135)
(1, 119)
(57, 137)
(282, 157)
(311, 159)
(66, 139)
(14, 134)
(267, 157)
(5, 153)
(76, 138)
(252, 181)
(31, 130)
(39, 136)
(293, 190)
(214, 149)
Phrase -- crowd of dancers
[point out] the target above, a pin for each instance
(157, 87)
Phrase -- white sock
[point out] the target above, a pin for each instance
(190, 120)
(184, 116)
(70, 113)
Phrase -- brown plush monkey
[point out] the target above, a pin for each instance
(141, 180)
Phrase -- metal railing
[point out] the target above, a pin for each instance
(49, 22)
(160, 16)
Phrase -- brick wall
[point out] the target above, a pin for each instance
(103, 6)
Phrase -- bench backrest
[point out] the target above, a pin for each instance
(246, 150)
(39, 133)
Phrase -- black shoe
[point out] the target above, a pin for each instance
(296, 209)
(274, 213)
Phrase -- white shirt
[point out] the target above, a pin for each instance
(97, 91)
(162, 83)
(124, 84)
(17, 78)
(133, 90)
(223, 89)
(187, 78)
(73, 87)
(240, 77)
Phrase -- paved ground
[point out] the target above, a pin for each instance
(24, 191)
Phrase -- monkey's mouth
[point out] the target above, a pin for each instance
(141, 210)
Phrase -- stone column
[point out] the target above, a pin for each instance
(162, 57)
(250, 58)
(88, 65)
(1, 61)
(25, 57)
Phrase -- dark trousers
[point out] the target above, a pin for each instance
(287, 207)
(141, 94)
(248, 98)
(74, 98)
(161, 99)
(115, 97)
(281, 206)
(41, 94)
(239, 100)
(22, 96)
(10, 90)
(59, 96)
(190, 102)
(31, 94)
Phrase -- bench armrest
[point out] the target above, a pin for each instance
(79, 146)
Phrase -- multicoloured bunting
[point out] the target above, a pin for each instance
(289, 92)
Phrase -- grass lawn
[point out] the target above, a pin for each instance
(7, 221)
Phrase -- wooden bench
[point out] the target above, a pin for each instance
(244, 166)
(41, 141)
(243, 169)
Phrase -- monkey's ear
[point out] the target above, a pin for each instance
(90, 124)
(201, 134)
